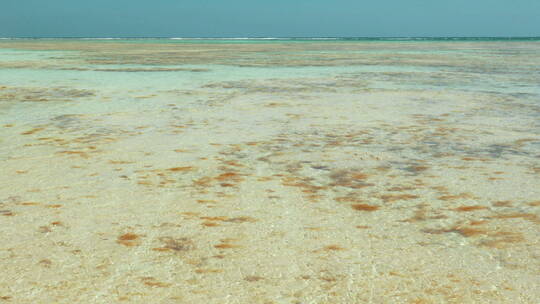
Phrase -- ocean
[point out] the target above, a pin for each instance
(270, 170)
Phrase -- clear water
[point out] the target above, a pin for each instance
(270, 170)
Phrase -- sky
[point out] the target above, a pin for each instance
(268, 18)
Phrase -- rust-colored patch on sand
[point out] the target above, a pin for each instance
(181, 169)
(455, 197)
(534, 204)
(233, 163)
(359, 176)
(349, 179)
(333, 248)
(206, 201)
(364, 207)
(418, 169)
(502, 239)
(129, 239)
(210, 224)
(161, 249)
(253, 278)
(229, 176)
(241, 219)
(502, 204)
(214, 218)
(468, 231)
(152, 282)
(53, 206)
(526, 216)
(203, 270)
(177, 244)
(33, 131)
(227, 244)
(203, 182)
(78, 153)
(477, 223)
(469, 208)
(29, 204)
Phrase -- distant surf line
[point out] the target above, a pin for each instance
(501, 38)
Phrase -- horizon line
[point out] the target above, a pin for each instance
(269, 37)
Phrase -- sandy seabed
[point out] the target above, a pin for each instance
(335, 172)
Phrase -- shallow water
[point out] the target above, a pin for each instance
(277, 172)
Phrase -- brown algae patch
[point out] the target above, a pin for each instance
(78, 153)
(365, 207)
(7, 213)
(492, 238)
(33, 131)
(210, 224)
(390, 198)
(502, 239)
(350, 179)
(206, 270)
(181, 244)
(152, 282)
(363, 227)
(502, 204)
(36, 94)
(227, 244)
(214, 218)
(417, 169)
(29, 204)
(525, 216)
(253, 278)
(241, 219)
(333, 248)
(456, 197)
(469, 208)
(229, 176)
(534, 204)
(53, 206)
(129, 239)
(181, 169)
(468, 231)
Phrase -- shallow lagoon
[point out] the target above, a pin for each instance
(276, 172)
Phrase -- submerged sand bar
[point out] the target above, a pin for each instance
(283, 172)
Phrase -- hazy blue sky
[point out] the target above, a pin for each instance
(284, 18)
